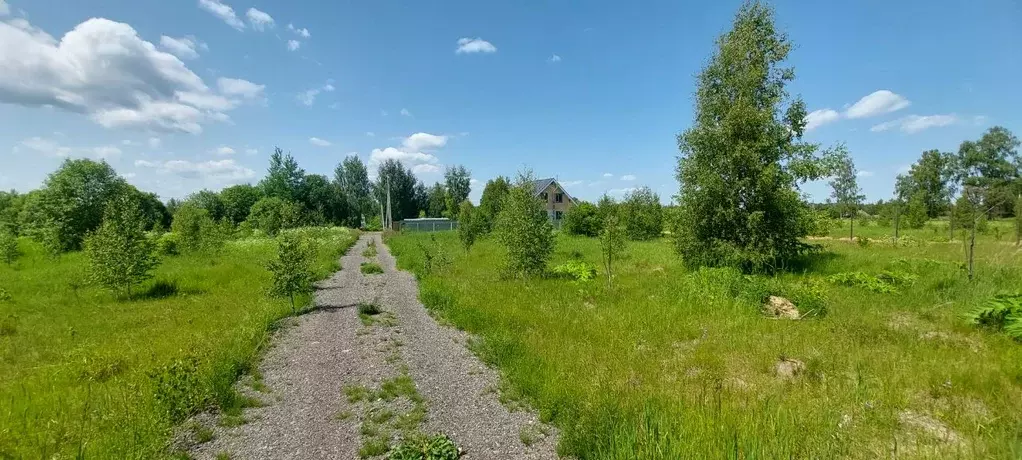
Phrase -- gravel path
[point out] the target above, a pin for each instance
(326, 371)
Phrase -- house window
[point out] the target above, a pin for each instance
(558, 214)
(559, 198)
(543, 196)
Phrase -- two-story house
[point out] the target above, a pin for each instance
(556, 200)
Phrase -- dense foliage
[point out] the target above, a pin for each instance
(642, 214)
(583, 219)
(743, 159)
(292, 268)
(121, 255)
(524, 230)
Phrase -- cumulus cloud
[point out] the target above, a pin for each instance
(102, 69)
(184, 47)
(4, 9)
(222, 11)
(877, 103)
(608, 175)
(408, 158)
(302, 32)
(553, 59)
(370, 134)
(621, 191)
(43, 146)
(474, 45)
(425, 168)
(864, 174)
(293, 45)
(223, 150)
(221, 170)
(423, 141)
(319, 142)
(260, 20)
(405, 113)
(240, 88)
(628, 177)
(155, 142)
(309, 97)
(915, 123)
(818, 118)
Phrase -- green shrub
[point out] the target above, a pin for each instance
(9, 251)
(371, 268)
(272, 214)
(583, 219)
(524, 230)
(177, 389)
(577, 270)
(434, 259)
(167, 244)
(119, 252)
(612, 242)
(189, 223)
(886, 282)
(468, 224)
(292, 269)
(642, 214)
(1003, 312)
(439, 447)
(368, 309)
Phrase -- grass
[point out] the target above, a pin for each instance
(84, 375)
(371, 268)
(673, 363)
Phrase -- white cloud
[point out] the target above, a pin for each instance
(128, 175)
(126, 142)
(864, 174)
(4, 9)
(370, 134)
(553, 59)
(155, 142)
(222, 170)
(474, 45)
(877, 103)
(260, 20)
(184, 47)
(102, 69)
(915, 123)
(405, 113)
(628, 177)
(423, 141)
(303, 32)
(473, 181)
(818, 118)
(608, 175)
(408, 158)
(571, 183)
(223, 150)
(222, 11)
(293, 45)
(621, 191)
(108, 151)
(425, 168)
(319, 142)
(239, 87)
(308, 97)
(44, 146)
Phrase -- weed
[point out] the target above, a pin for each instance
(439, 447)
(343, 415)
(356, 393)
(231, 421)
(1003, 312)
(373, 446)
(223, 456)
(578, 270)
(371, 268)
(365, 308)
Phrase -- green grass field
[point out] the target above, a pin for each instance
(83, 375)
(672, 363)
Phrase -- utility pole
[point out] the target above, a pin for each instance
(390, 222)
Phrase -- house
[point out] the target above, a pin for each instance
(556, 200)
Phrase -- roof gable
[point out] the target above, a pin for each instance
(540, 186)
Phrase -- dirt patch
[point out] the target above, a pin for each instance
(789, 368)
(929, 426)
(780, 308)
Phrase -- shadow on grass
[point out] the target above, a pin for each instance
(814, 260)
(162, 289)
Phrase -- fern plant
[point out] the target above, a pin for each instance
(1003, 312)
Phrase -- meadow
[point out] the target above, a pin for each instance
(86, 375)
(675, 363)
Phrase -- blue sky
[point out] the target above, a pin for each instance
(590, 92)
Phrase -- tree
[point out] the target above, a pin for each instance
(845, 188)
(612, 242)
(119, 252)
(292, 269)
(741, 162)
(643, 215)
(272, 214)
(524, 230)
(321, 200)
(9, 251)
(583, 219)
(402, 189)
(468, 228)
(74, 200)
(458, 182)
(190, 221)
(491, 202)
(210, 201)
(1018, 220)
(933, 177)
(353, 179)
(238, 201)
(436, 200)
(284, 179)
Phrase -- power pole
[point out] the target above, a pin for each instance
(390, 222)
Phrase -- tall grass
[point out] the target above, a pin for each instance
(672, 363)
(83, 375)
